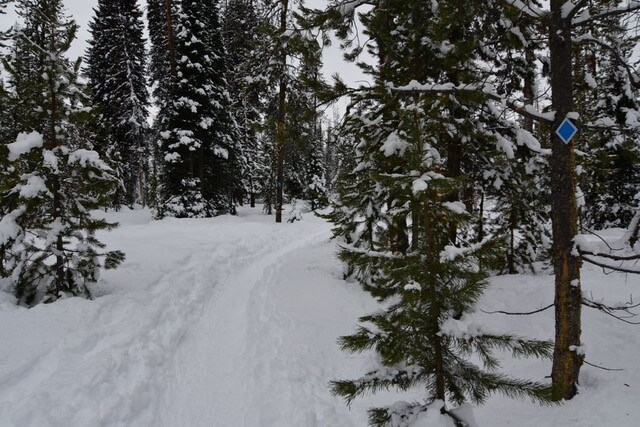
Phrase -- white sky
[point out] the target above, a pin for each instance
(82, 11)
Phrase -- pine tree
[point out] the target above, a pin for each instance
(162, 19)
(3, 35)
(316, 191)
(6, 135)
(418, 144)
(610, 179)
(51, 245)
(117, 77)
(202, 159)
(241, 39)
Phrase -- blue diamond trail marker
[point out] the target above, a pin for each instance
(566, 131)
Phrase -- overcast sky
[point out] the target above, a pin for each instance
(82, 12)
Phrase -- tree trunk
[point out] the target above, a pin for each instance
(454, 169)
(481, 218)
(511, 256)
(432, 251)
(282, 95)
(529, 87)
(51, 144)
(252, 194)
(564, 215)
(141, 183)
(3, 273)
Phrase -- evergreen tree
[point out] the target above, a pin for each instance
(241, 39)
(161, 19)
(316, 191)
(417, 147)
(3, 6)
(6, 134)
(291, 120)
(266, 174)
(610, 178)
(49, 234)
(202, 159)
(117, 78)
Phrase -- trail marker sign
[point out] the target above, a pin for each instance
(566, 131)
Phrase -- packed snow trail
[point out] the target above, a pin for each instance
(233, 321)
(209, 363)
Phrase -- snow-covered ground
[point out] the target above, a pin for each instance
(233, 321)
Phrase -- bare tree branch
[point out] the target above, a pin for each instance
(519, 314)
(523, 110)
(620, 10)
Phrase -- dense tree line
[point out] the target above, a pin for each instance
(445, 169)
(213, 72)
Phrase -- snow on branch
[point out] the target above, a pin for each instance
(9, 228)
(570, 9)
(585, 18)
(347, 7)
(523, 110)
(374, 254)
(23, 144)
(450, 252)
(591, 253)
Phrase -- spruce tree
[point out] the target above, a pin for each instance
(610, 178)
(161, 20)
(241, 39)
(117, 77)
(6, 135)
(417, 146)
(3, 35)
(50, 238)
(316, 191)
(202, 159)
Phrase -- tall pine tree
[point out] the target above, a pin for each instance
(202, 158)
(241, 39)
(117, 77)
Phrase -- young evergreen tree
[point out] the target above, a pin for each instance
(117, 77)
(49, 234)
(202, 159)
(6, 135)
(316, 191)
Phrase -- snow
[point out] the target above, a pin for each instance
(32, 188)
(87, 158)
(394, 144)
(524, 137)
(24, 143)
(9, 228)
(233, 321)
(456, 207)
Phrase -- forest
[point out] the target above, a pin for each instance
(490, 144)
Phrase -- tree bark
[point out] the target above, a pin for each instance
(3, 273)
(454, 169)
(568, 296)
(51, 144)
(529, 87)
(282, 95)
